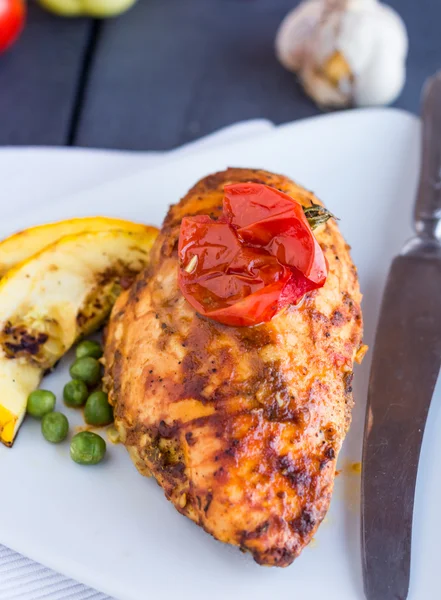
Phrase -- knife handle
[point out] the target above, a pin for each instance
(428, 204)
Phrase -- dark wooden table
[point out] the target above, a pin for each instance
(168, 71)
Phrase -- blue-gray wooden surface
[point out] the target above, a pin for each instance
(168, 71)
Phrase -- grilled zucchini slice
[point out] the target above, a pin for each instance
(54, 298)
(24, 244)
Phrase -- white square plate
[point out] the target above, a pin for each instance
(111, 528)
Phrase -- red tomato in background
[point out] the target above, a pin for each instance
(12, 18)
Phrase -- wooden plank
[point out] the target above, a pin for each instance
(422, 20)
(167, 72)
(39, 77)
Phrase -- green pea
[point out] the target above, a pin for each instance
(75, 393)
(87, 448)
(98, 411)
(89, 348)
(40, 402)
(54, 427)
(86, 369)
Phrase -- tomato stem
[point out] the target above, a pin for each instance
(317, 215)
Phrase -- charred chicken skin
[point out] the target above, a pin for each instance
(241, 426)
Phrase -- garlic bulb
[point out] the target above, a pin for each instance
(345, 52)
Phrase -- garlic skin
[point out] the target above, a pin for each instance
(345, 52)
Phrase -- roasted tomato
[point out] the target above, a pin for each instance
(259, 257)
(12, 18)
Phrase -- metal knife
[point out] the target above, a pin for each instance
(405, 366)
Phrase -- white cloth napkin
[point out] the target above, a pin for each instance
(31, 177)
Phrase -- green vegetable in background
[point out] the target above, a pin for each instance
(87, 448)
(86, 369)
(98, 411)
(40, 402)
(89, 348)
(75, 393)
(54, 427)
(91, 8)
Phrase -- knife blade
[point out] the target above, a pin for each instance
(405, 367)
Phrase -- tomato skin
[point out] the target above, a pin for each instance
(12, 18)
(254, 309)
(266, 216)
(227, 271)
(245, 267)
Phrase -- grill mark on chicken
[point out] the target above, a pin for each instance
(255, 533)
(168, 431)
(189, 438)
(347, 378)
(303, 524)
(279, 557)
(338, 319)
(298, 478)
(209, 498)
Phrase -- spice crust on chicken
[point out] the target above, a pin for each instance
(241, 426)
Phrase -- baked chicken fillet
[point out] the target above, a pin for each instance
(241, 426)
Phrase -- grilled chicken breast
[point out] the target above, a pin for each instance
(240, 426)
